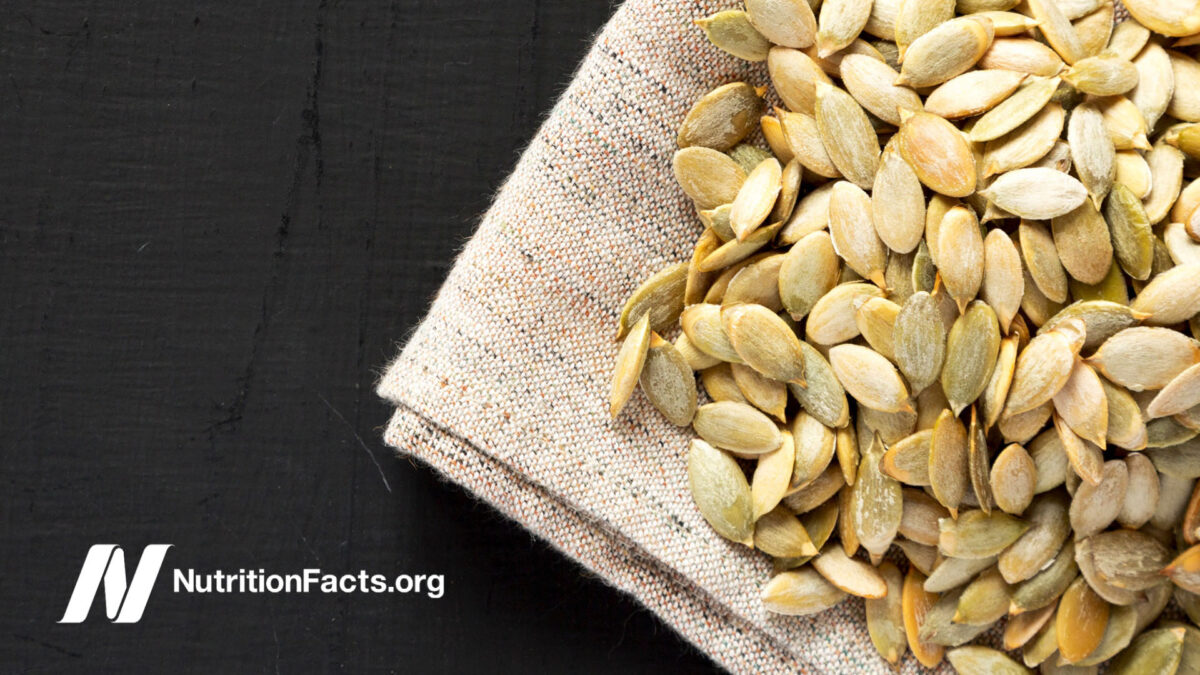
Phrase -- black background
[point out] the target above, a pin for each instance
(216, 222)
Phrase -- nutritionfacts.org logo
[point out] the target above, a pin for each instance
(125, 597)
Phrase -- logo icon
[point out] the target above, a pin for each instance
(124, 598)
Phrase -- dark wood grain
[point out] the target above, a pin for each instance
(216, 220)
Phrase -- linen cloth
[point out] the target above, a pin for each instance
(503, 388)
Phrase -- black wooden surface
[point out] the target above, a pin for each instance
(216, 220)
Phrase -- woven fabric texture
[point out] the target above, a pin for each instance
(503, 387)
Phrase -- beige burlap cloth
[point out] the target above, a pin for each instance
(503, 388)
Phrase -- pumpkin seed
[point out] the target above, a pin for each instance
(852, 576)
(1036, 193)
(839, 24)
(975, 534)
(916, 603)
(804, 141)
(876, 502)
(948, 461)
(1102, 75)
(709, 177)
(870, 378)
(779, 533)
(1030, 144)
(764, 341)
(1118, 632)
(769, 396)
(1179, 461)
(1156, 81)
(790, 23)
(794, 75)
(1083, 405)
(660, 297)
(773, 133)
(668, 382)
(1129, 559)
(1095, 29)
(1022, 628)
(1185, 103)
(847, 135)
(737, 427)
(897, 203)
(1049, 527)
(810, 215)
(939, 626)
(814, 449)
(914, 19)
(1144, 357)
(972, 93)
(983, 602)
(937, 152)
(823, 398)
(971, 351)
(1096, 506)
(885, 616)
(772, 476)
(1183, 248)
(817, 492)
(962, 271)
(1013, 478)
(1023, 55)
(1081, 238)
(994, 394)
(945, 51)
(1042, 261)
(853, 234)
(1156, 651)
(1015, 110)
(1056, 29)
(1166, 170)
(908, 460)
(1080, 622)
(721, 492)
(919, 520)
(1044, 644)
(732, 32)
(757, 283)
(1086, 458)
(800, 592)
(1042, 369)
(1048, 584)
(876, 319)
(870, 82)
(756, 198)
(721, 117)
(630, 360)
(832, 319)
(1128, 39)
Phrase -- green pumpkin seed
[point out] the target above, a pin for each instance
(971, 351)
(779, 533)
(732, 32)
(721, 117)
(975, 534)
(800, 592)
(721, 492)
(668, 382)
(764, 341)
(737, 427)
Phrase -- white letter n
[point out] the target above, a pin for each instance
(124, 600)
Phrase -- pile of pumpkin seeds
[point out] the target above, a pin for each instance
(948, 315)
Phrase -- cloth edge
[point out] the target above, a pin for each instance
(614, 559)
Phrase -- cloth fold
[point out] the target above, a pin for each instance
(503, 387)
